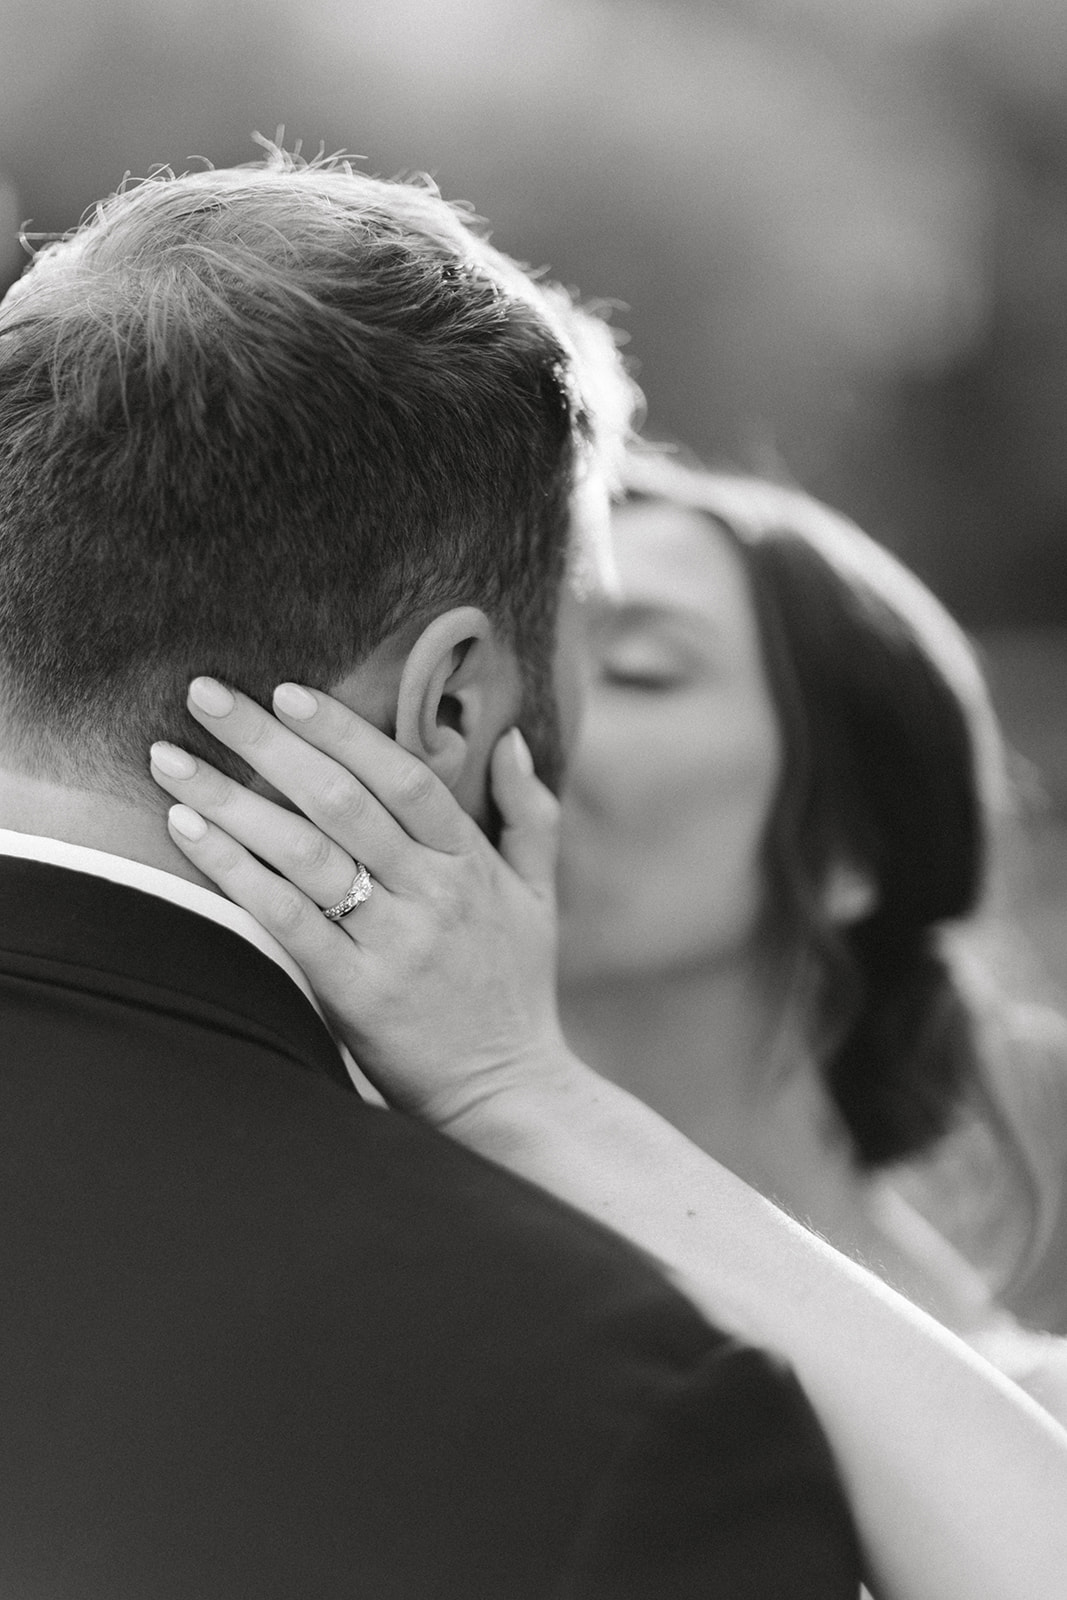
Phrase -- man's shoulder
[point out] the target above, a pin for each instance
(296, 1337)
(698, 1464)
(316, 1338)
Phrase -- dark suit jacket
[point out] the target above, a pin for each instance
(262, 1341)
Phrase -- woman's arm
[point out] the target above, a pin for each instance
(442, 986)
(957, 1481)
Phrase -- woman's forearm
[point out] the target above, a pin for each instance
(957, 1481)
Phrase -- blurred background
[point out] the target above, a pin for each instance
(834, 233)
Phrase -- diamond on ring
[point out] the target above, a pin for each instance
(360, 889)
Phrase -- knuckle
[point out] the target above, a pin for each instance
(311, 851)
(214, 791)
(227, 856)
(421, 954)
(415, 785)
(255, 731)
(339, 797)
(449, 903)
(288, 908)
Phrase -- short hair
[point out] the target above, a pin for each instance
(252, 419)
(892, 764)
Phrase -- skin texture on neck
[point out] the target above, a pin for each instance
(135, 830)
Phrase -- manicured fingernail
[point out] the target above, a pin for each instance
(207, 694)
(295, 702)
(171, 760)
(189, 823)
(520, 751)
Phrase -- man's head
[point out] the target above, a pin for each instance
(275, 422)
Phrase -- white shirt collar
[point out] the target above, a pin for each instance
(180, 892)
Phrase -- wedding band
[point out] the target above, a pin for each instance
(360, 889)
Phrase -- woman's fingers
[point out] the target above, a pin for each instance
(332, 764)
(409, 790)
(318, 867)
(279, 906)
(529, 840)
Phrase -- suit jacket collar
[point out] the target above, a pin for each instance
(152, 880)
(85, 932)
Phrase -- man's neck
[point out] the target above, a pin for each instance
(133, 829)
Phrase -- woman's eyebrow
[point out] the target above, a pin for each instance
(636, 613)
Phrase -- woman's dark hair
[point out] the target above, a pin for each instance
(890, 769)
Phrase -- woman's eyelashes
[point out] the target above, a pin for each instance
(648, 679)
(641, 661)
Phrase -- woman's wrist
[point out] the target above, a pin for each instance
(591, 1143)
(518, 1105)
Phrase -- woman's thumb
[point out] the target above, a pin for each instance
(529, 840)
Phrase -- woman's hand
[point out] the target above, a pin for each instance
(442, 982)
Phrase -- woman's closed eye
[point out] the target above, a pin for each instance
(649, 679)
(641, 663)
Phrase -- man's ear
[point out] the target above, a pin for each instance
(458, 691)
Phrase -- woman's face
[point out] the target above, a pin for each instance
(677, 763)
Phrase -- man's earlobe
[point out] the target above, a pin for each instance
(443, 685)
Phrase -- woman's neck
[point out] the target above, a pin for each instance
(718, 1057)
(715, 1055)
